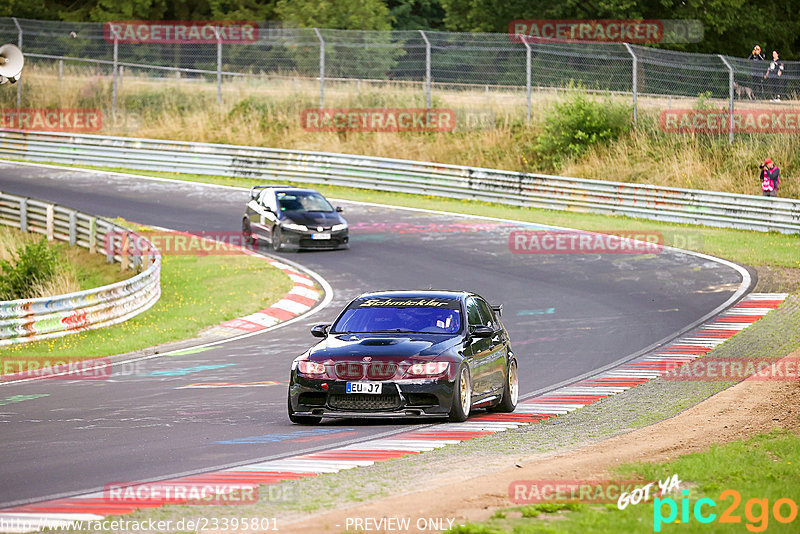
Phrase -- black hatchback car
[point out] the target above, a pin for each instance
(293, 218)
(408, 354)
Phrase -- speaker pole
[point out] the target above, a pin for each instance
(19, 45)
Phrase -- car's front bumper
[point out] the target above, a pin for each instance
(295, 239)
(399, 398)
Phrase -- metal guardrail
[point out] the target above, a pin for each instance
(48, 317)
(678, 205)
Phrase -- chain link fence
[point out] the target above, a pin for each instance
(426, 61)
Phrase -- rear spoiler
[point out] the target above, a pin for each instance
(255, 188)
(498, 309)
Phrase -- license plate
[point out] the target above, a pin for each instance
(320, 236)
(373, 388)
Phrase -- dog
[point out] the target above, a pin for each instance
(743, 90)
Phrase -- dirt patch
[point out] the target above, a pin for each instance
(747, 409)
(773, 279)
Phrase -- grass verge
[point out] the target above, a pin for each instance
(760, 471)
(196, 292)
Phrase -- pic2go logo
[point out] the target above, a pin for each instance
(756, 511)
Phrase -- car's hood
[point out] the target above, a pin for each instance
(315, 218)
(387, 347)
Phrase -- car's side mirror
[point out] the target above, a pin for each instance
(339, 209)
(481, 331)
(320, 330)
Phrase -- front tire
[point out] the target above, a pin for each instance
(462, 396)
(301, 419)
(508, 402)
(277, 240)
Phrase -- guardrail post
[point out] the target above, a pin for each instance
(321, 69)
(219, 67)
(427, 69)
(92, 235)
(73, 228)
(527, 80)
(123, 251)
(115, 68)
(730, 96)
(19, 44)
(110, 243)
(23, 215)
(634, 82)
(50, 221)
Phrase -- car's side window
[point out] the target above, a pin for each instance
(473, 313)
(486, 314)
(267, 199)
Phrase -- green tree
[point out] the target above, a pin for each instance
(338, 14)
(416, 14)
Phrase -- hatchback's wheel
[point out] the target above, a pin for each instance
(462, 396)
(508, 403)
(277, 239)
(247, 232)
(301, 419)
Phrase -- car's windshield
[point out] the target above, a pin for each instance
(302, 201)
(415, 315)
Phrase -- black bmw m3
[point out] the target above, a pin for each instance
(406, 354)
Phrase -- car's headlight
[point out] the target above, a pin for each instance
(428, 369)
(293, 226)
(337, 227)
(307, 367)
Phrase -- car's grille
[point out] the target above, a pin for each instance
(319, 243)
(349, 370)
(358, 370)
(364, 402)
(381, 370)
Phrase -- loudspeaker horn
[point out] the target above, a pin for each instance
(11, 62)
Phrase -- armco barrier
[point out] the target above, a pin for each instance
(47, 317)
(523, 189)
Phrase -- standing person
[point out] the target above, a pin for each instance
(770, 176)
(757, 56)
(773, 76)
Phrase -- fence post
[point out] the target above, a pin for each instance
(93, 235)
(730, 96)
(116, 67)
(321, 69)
(219, 66)
(634, 83)
(527, 80)
(60, 69)
(19, 44)
(427, 69)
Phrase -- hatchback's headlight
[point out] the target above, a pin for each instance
(338, 227)
(293, 226)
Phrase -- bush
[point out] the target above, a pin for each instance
(35, 264)
(578, 123)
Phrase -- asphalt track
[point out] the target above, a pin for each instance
(567, 314)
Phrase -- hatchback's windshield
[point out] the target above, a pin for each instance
(416, 315)
(303, 201)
